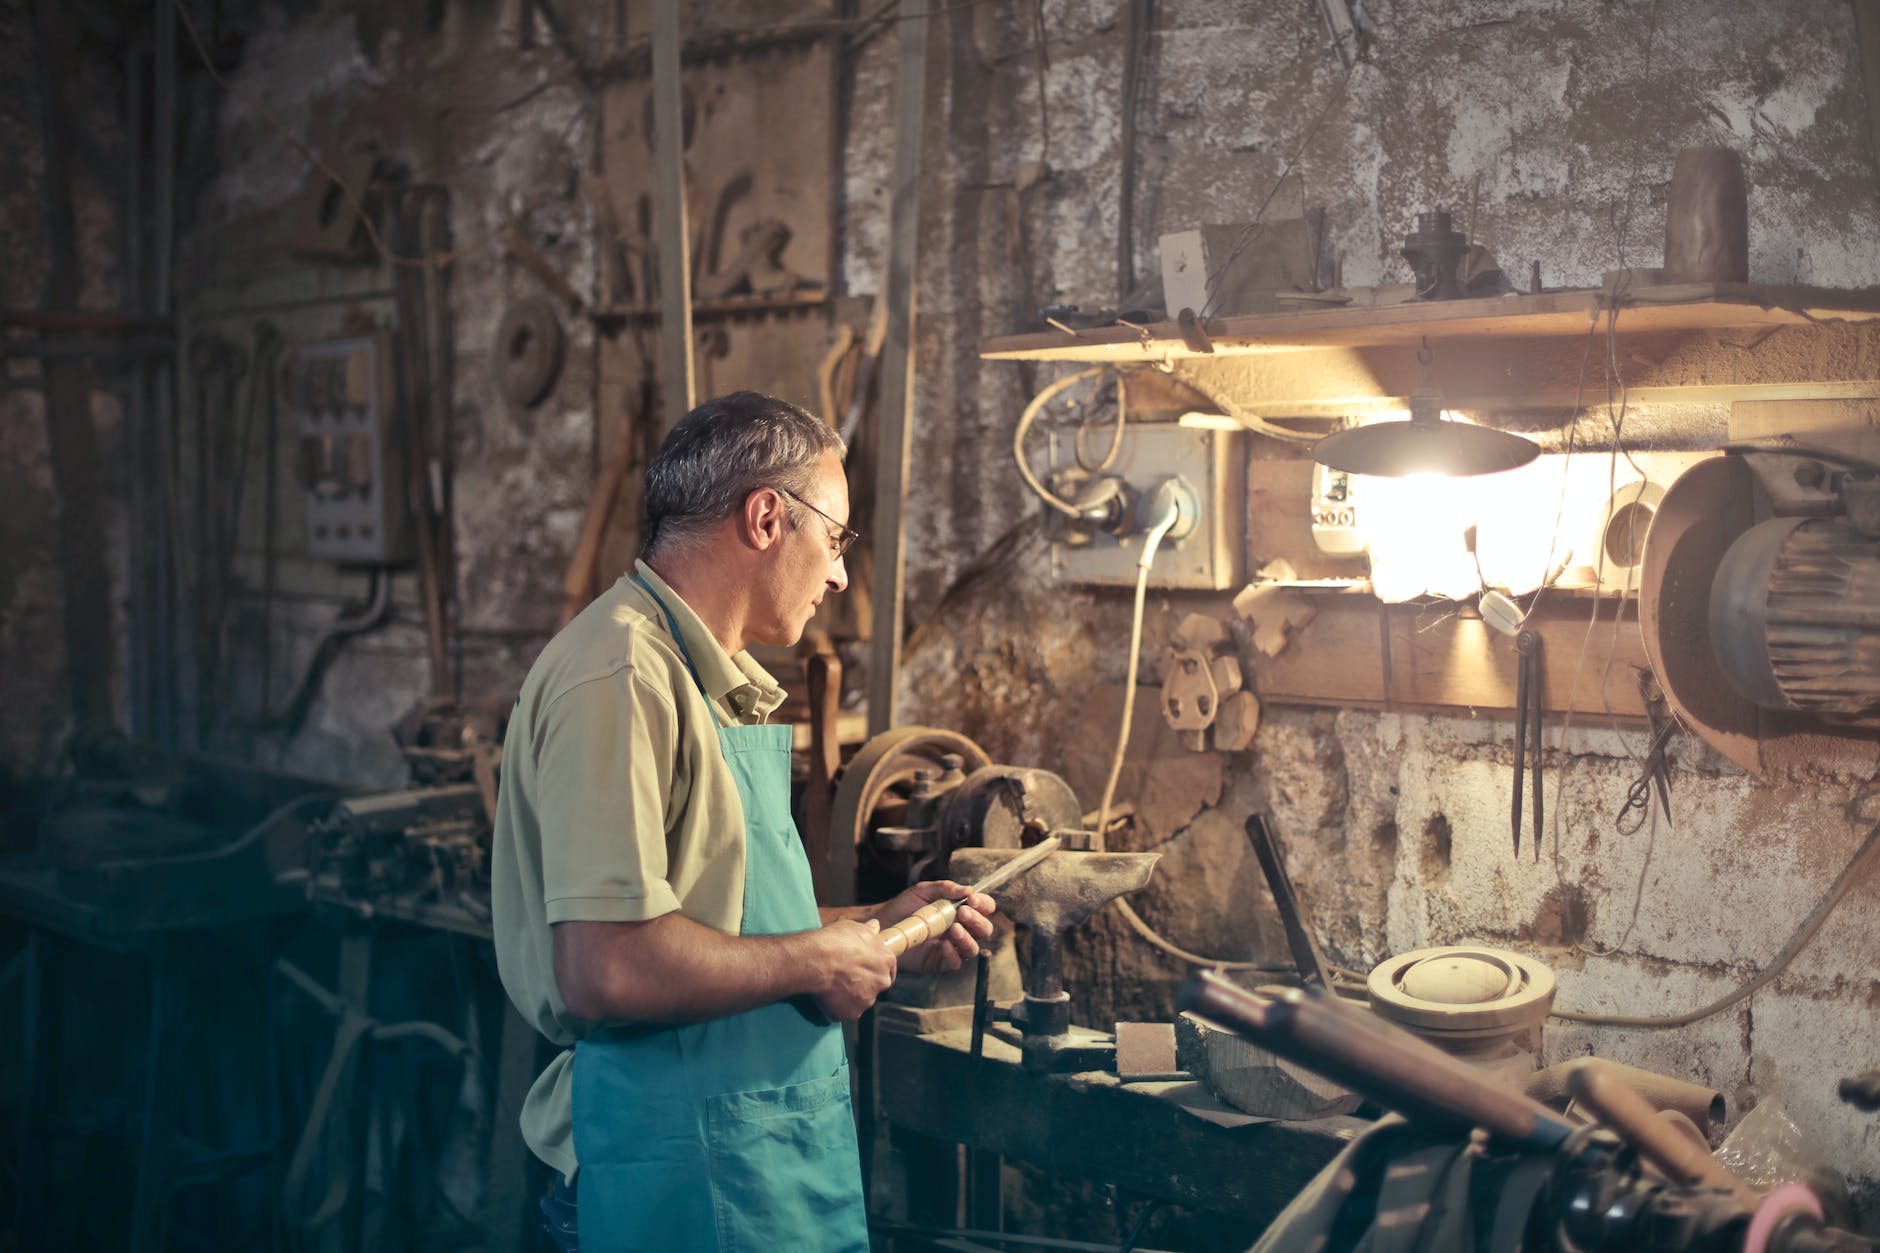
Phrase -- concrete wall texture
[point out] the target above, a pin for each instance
(1551, 125)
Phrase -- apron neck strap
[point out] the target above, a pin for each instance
(672, 625)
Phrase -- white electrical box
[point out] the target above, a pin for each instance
(1335, 521)
(341, 391)
(1211, 463)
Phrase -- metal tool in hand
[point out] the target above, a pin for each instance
(934, 919)
(1527, 733)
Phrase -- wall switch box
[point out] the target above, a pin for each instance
(1212, 464)
(351, 467)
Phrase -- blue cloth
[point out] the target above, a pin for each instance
(558, 1215)
(735, 1134)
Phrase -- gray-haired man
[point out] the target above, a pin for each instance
(653, 911)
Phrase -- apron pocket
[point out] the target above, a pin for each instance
(785, 1170)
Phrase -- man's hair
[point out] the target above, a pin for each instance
(721, 452)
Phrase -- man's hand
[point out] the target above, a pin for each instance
(854, 965)
(960, 942)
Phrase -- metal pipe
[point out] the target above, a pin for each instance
(1612, 1100)
(162, 428)
(141, 663)
(1703, 1106)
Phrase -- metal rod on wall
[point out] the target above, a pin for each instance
(675, 263)
(897, 366)
(160, 292)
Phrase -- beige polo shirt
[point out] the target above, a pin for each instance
(616, 806)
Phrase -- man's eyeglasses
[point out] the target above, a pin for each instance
(841, 540)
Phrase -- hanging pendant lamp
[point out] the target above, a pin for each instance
(1425, 442)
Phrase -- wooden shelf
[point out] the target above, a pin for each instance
(1668, 308)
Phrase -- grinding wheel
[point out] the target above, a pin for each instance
(1702, 514)
(528, 351)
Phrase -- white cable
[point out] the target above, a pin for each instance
(1252, 421)
(1150, 542)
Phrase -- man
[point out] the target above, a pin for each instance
(653, 909)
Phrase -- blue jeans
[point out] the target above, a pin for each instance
(558, 1215)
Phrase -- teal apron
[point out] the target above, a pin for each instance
(735, 1134)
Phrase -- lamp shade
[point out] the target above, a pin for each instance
(1423, 443)
(1409, 447)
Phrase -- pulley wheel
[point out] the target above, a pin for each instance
(528, 351)
(1703, 512)
(883, 769)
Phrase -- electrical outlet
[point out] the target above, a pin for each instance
(1210, 463)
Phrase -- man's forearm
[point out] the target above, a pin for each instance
(854, 913)
(671, 969)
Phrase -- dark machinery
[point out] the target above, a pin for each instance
(1760, 598)
(1632, 1184)
(422, 854)
(920, 803)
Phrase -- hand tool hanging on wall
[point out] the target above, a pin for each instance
(1656, 774)
(934, 919)
(1527, 733)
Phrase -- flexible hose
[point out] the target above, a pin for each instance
(1036, 406)
(1150, 542)
(1777, 965)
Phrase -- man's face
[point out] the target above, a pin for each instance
(804, 567)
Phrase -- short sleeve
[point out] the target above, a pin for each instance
(605, 762)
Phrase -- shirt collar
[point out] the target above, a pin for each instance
(736, 682)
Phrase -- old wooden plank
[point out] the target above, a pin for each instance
(675, 264)
(1673, 307)
(1441, 659)
(897, 366)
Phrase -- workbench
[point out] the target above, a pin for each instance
(1136, 1135)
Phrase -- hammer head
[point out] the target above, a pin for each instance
(1060, 891)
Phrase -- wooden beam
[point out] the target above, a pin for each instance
(1867, 30)
(1679, 307)
(675, 263)
(897, 366)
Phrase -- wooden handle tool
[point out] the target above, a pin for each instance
(934, 919)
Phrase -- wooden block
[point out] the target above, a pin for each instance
(1249, 1078)
(1236, 268)
(1145, 1048)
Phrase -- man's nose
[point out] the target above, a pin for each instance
(838, 575)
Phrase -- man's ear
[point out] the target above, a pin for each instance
(764, 518)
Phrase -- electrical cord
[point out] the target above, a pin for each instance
(1151, 542)
(1032, 409)
(1116, 434)
(1798, 941)
(1252, 421)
